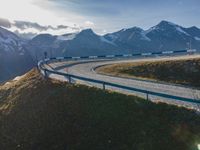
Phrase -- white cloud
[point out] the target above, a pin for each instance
(89, 24)
(26, 10)
(104, 31)
(32, 30)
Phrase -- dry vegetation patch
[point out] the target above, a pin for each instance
(185, 72)
(44, 114)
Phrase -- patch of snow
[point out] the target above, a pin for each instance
(177, 27)
(8, 35)
(18, 78)
(181, 30)
(144, 37)
(123, 30)
(67, 37)
(21, 54)
(132, 34)
(9, 41)
(151, 29)
(113, 37)
(197, 38)
(171, 23)
(106, 41)
(15, 79)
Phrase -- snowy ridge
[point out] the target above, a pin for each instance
(144, 37)
(112, 37)
(9, 42)
(8, 37)
(106, 41)
(178, 28)
(197, 38)
(67, 37)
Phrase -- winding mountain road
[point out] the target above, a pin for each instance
(85, 68)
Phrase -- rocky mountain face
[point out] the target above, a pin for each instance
(162, 37)
(14, 58)
(84, 43)
(133, 39)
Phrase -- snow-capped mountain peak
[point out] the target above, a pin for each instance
(9, 42)
(168, 27)
(66, 37)
(127, 35)
(87, 32)
(8, 37)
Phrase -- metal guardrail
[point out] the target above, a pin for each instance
(104, 84)
(126, 55)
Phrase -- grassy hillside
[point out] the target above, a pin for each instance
(42, 114)
(185, 72)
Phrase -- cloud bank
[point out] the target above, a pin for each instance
(27, 29)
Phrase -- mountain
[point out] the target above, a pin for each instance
(82, 43)
(41, 43)
(164, 36)
(14, 58)
(169, 36)
(133, 38)
(88, 43)
(9, 41)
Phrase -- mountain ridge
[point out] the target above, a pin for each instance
(14, 57)
(165, 36)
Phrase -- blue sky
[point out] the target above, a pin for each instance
(108, 15)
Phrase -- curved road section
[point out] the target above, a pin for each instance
(86, 68)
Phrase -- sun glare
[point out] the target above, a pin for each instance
(198, 146)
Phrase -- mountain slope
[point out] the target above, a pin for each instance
(132, 38)
(169, 36)
(36, 113)
(41, 43)
(14, 58)
(88, 43)
(84, 43)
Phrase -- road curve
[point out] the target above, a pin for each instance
(86, 69)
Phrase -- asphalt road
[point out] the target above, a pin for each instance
(86, 69)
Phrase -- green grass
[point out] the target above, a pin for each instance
(41, 114)
(185, 72)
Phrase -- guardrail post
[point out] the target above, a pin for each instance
(104, 86)
(45, 73)
(147, 96)
(69, 78)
